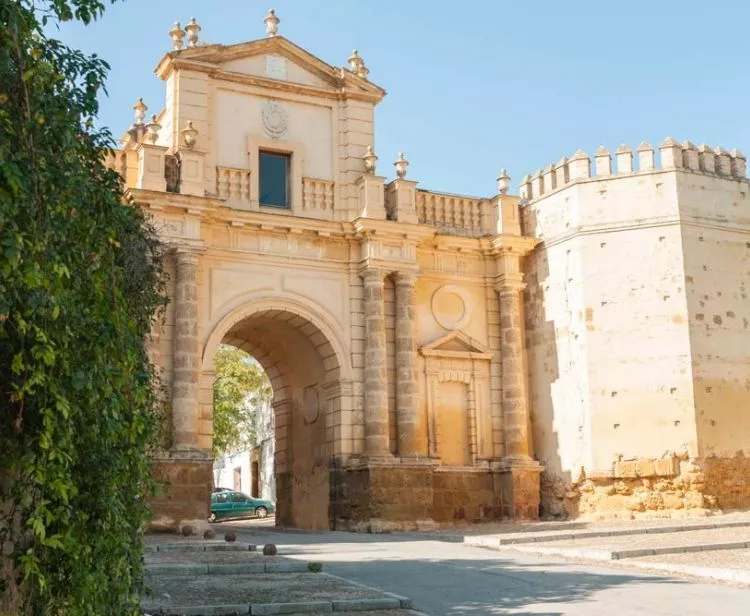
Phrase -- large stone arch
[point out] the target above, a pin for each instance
(308, 364)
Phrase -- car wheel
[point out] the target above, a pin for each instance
(212, 517)
(261, 512)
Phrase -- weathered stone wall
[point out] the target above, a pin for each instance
(185, 492)
(636, 338)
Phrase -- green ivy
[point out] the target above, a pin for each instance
(80, 286)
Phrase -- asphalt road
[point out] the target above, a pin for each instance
(450, 579)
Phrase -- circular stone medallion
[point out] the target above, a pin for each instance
(275, 119)
(451, 307)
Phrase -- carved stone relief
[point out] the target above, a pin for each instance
(275, 119)
(452, 307)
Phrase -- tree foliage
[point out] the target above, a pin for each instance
(241, 386)
(80, 284)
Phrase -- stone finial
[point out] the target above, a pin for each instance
(357, 65)
(602, 162)
(624, 158)
(177, 34)
(192, 29)
(370, 160)
(401, 165)
(690, 156)
(272, 23)
(189, 135)
(152, 130)
(739, 164)
(140, 111)
(671, 154)
(645, 156)
(503, 182)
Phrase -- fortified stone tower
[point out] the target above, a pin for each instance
(388, 318)
(638, 330)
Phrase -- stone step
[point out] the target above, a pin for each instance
(200, 547)
(231, 568)
(496, 541)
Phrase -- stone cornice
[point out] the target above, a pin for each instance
(208, 59)
(390, 229)
(519, 244)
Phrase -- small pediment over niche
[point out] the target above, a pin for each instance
(457, 345)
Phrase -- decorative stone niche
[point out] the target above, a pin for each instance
(457, 374)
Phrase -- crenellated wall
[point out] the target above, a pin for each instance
(632, 320)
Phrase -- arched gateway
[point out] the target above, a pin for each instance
(389, 318)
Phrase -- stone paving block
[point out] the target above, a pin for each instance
(177, 569)
(307, 607)
(200, 610)
(286, 567)
(361, 605)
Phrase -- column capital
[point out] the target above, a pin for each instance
(372, 274)
(405, 277)
(188, 255)
(509, 283)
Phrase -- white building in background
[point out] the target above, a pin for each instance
(252, 470)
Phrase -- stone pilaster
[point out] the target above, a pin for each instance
(406, 374)
(376, 389)
(186, 351)
(515, 400)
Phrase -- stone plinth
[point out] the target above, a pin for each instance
(184, 495)
(518, 483)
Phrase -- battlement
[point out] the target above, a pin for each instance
(671, 156)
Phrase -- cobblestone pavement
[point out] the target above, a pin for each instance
(449, 579)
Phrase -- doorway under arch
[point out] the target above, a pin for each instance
(305, 369)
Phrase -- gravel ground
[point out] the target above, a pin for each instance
(234, 589)
(685, 538)
(153, 558)
(719, 559)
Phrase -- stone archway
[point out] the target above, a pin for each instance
(303, 359)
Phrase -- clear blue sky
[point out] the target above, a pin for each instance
(476, 86)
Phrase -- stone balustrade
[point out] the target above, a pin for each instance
(233, 184)
(317, 195)
(454, 214)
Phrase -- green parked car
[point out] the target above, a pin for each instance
(238, 505)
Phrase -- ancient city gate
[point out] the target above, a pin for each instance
(389, 318)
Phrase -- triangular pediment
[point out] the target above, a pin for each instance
(276, 59)
(456, 344)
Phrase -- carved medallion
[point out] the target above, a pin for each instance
(276, 67)
(275, 119)
(451, 307)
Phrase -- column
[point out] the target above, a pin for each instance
(186, 351)
(406, 374)
(515, 400)
(376, 391)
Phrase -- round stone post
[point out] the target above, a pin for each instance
(406, 376)
(186, 351)
(376, 391)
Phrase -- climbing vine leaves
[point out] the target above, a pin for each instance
(80, 286)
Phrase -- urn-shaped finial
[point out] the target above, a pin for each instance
(140, 111)
(503, 182)
(401, 165)
(357, 65)
(272, 23)
(189, 135)
(152, 130)
(192, 29)
(177, 34)
(370, 160)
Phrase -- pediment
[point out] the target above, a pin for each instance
(276, 59)
(456, 344)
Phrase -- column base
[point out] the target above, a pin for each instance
(184, 479)
(518, 481)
